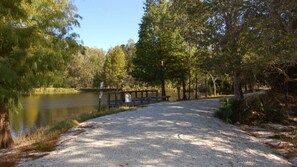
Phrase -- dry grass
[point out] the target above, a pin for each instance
(54, 90)
(9, 161)
(45, 139)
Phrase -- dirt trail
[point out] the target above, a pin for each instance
(163, 134)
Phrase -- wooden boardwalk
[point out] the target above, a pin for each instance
(134, 98)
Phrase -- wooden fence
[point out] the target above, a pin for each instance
(134, 98)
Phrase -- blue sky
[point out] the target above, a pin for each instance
(107, 23)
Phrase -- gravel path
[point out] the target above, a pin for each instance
(164, 134)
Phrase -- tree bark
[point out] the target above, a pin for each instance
(237, 86)
(190, 66)
(251, 87)
(5, 132)
(163, 89)
(214, 84)
(196, 87)
(189, 87)
(206, 86)
(184, 91)
(178, 92)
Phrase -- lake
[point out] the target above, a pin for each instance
(42, 110)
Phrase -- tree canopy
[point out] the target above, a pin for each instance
(159, 47)
(234, 44)
(36, 43)
(114, 69)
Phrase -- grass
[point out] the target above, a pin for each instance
(55, 90)
(43, 140)
(218, 96)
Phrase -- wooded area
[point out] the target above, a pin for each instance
(211, 45)
(245, 43)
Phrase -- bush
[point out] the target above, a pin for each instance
(233, 111)
(269, 109)
(251, 110)
(274, 113)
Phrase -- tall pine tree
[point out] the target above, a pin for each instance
(160, 45)
(114, 69)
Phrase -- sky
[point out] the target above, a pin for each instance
(107, 23)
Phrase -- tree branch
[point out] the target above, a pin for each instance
(288, 78)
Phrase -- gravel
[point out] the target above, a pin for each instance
(164, 134)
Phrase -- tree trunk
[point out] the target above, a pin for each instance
(189, 87)
(237, 86)
(206, 86)
(184, 91)
(214, 85)
(196, 87)
(5, 133)
(163, 89)
(178, 93)
(190, 66)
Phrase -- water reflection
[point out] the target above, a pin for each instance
(42, 110)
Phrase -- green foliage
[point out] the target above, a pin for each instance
(86, 68)
(114, 69)
(266, 109)
(233, 111)
(251, 110)
(130, 50)
(252, 41)
(36, 43)
(225, 111)
(55, 90)
(274, 113)
(224, 87)
(160, 48)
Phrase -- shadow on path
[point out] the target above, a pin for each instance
(163, 134)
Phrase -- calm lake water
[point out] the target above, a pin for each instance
(42, 110)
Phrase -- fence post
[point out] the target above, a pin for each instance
(141, 99)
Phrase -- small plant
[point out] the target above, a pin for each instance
(274, 113)
(251, 110)
(233, 111)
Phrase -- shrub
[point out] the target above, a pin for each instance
(254, 109)
(233, 111)
(274, 113)
(271, 109)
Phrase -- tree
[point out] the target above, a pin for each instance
(35, 43)
(191, 16)
(114, 69)
(130, 50)
(159, 47)
(273, 30)
(227, 25)
(85, 68)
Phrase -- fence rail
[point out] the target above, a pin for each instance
(134, 98)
